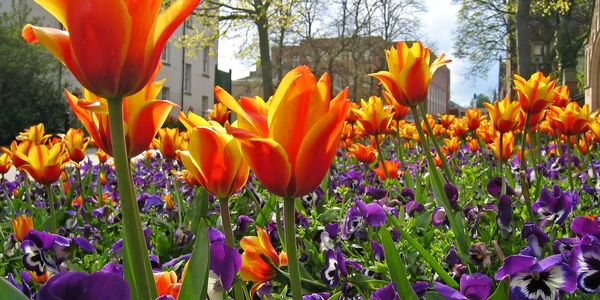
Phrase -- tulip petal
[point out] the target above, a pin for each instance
(144, 126)
(192, 166)
(192, 120)
(102, 140)
(323, 138)
(57, 8)
(269, 162)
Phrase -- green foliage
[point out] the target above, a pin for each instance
(480, 99)
(30, 91)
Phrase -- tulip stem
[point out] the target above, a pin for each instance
(51, 207)
(141, 281)
(435, 143)
(289, 217)
(523, 163)
(226, 219)
(501, 163)
(569, 171)
(79, 180)
(381, 158)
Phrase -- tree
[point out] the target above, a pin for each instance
(30, 89)
(480, 99)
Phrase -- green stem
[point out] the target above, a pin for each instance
(501, 163)
(523, 165)
(289, 217)
(79, 180)
(52, 209)
(435, 144)
(226, 218)
(380, 157)
(400, 145)
(569, 170)
(141, 281)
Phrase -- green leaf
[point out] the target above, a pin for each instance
(501, 291)
(195, 283)
(265, 212)
(335, 296)
(396, 266)
(9, 291)
(367, 282)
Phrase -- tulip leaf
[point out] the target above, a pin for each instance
(396, 266)
(502, 291)
(265, 212)
(335, 296)
(9, 291)
(194, 286)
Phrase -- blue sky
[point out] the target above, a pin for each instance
(439, 23)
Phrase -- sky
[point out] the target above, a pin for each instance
(439, 22)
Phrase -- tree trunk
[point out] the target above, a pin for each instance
(522, 29)
(262, 24)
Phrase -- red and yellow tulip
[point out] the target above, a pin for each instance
(167, 284)
(76, 143)
(290, 141)
(473, 145)
(219, 113)
(504, 114)
(366, 154)
(254, 268)
(168, 142)
(473, 118)
(409, 73)
(452, 144)
(44, 163)
(572, 119)
(535, 94)
(21, 226)
(373, 116)
(391, 167)
(506, 149)
(214, 157)
(142, 113)
(5, 162)
(36, 134)
(111, 47)
(561, 96)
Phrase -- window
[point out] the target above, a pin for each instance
(187, 79)
(165, 94)
(205, 61)
(166, 54)
(205, 105)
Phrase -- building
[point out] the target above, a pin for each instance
(189, 82)
(592, 62)
(348, 62)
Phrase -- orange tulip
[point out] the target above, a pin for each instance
(583, 145)
(473, 118)
(487, 132)
(561, 96)
(254, 268)
(507, 146)
(595, 128)
(572, 119)
(5, 163)
(447, 120)
(111, 47)
(452, 144)
(21, 226)
(535, 94)
(169, 202)
(391, 167)
(373, 116)
(400, 111)
(142, 114)
(168, 142)
(290, 141)
(35, 134)
(44, 163)
(214, 158)
(219, 113)
(102, 156)
(409, 73)
(473, 145)
(76, 144)
(534, 120)
(362, 153)
(504, 114)
(459, 128)
(166, 283)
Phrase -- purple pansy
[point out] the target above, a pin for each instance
(359, 216)
(555, 206)
(225, 261)
(387, 292)
(536, 239)
(78, 285)
(505, 212)
(375, 193)
(533, 279)
(317, 296)
(413, 206)
(452, 194)
(472, 287)
(377, 251)
(438, 216)
(494, 187)
(586, 260)
(335, 267)
(583, 226)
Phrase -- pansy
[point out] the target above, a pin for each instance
(317, 296)
(536, 239)
(438, 216)
(505, 213)
(78, 285)
(335, 267)
(37, 256)
(533, 279)
(586, 260)
(225, 261)
(472, 287)
(494, 187)
(583, 226)
(387, 292)
(361, 215)
(555, 206)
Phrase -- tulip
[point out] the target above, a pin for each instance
(473, 118)
(504, 151)
(572, 119)
(219, 113)
(504, 114)
(487, 132)
(143, 117)
(21, 226)
(168, 142)
(452, 144)
(409, 73)
(111, 47)
(535, 94)
(362, 153)
(352, 116)
(561, 96)
(5, 163)
(390, 171)
(254, 268)
(473, 145)
(76, 144)
(35, 134)
(102, 156)
(214, 158)
(44, 163)
(459, 128)
(400, 111)
(447, 120)
(374, 117)
(166, 283)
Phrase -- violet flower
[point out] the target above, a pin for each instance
(533, 279)
(494, 187)
(387, 292)
(536, 239)
(78, 285)
(361, 215)
(335, 267)
(438, 216)
(586, 260)
(225, 261)
(317, 296)
(472, 287)
(505, 212)
(555, 206)
(377, 251)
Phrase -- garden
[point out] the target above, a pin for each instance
(305, 195)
